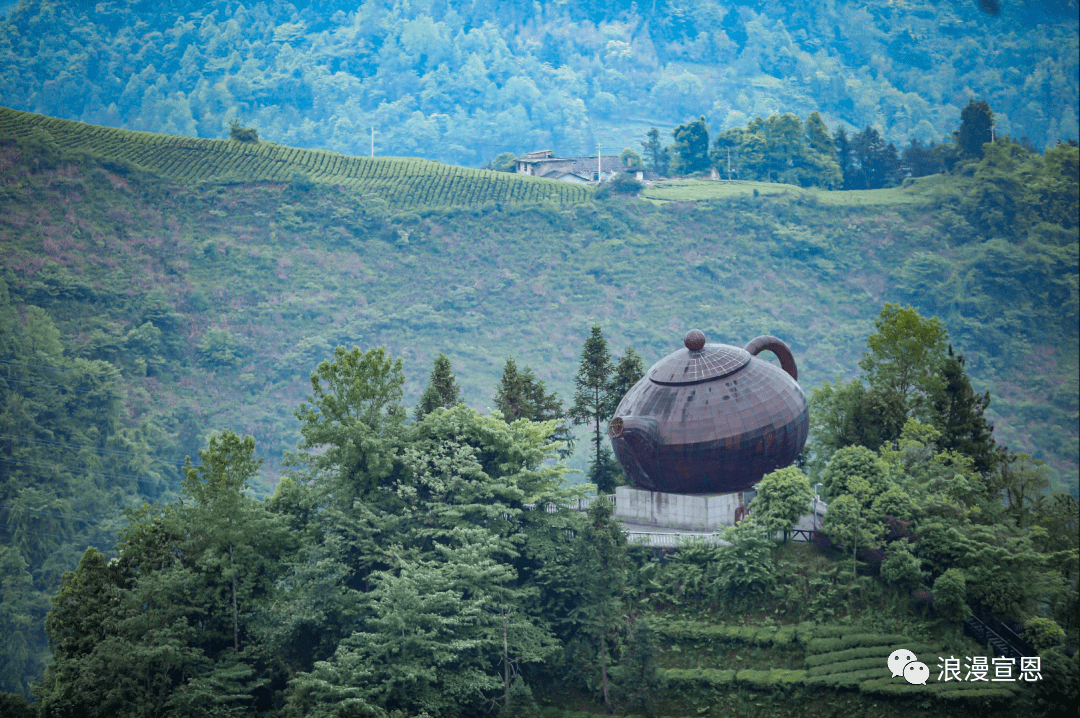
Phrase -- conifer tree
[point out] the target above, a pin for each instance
(521, 395)
(601, 560)
(844, 157)
(628, 371)
(976, 128)
(442, 389)
(959, 414)
(592, 398)
(639, 679)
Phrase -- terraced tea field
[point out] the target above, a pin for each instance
(403, 182)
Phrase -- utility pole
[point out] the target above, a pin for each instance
(728, 164)
(372, 141)
(598, 146)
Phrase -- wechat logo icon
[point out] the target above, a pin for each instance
(903, 662)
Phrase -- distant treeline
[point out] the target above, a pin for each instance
(781, 148)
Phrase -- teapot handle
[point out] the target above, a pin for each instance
(777, 347)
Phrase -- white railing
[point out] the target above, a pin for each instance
(575, 505)
(671, 539)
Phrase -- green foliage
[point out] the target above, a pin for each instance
(240, 133)
(623, 184)
(218, 349)
(442, 389)
(354, 406)
(521, 395)
(904, 355)
(628, 371)
(857, 640)
(783, 497)
(1043, 634)
(691, 149)
(638, 680)
(976, 123)
(851, 463)
(901, 566)
(592, 402)
(600, 564)
(950, 596)
(959, 414)
(503, 162)
(657, 157)
(746, 565)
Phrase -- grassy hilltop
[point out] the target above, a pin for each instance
(155, 289)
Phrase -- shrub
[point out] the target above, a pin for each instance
(950, 595)
(242, 134)
(1043, 633)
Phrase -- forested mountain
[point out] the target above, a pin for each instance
(461, 82)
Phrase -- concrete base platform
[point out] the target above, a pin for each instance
(642, 511)
(688, 512)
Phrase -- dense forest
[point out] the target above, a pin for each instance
(460, 82)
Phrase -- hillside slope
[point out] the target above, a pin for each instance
(402, 182)
(263, 279)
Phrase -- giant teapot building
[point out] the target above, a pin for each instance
(702, 427)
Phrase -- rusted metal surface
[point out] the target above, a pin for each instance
(712, 419)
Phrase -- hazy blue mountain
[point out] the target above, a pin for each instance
(460, 82)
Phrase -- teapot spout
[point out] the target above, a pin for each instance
(636, 441)
(777, 347)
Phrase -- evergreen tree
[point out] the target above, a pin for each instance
(628, 371)
(876, 163)
(820, 167)
(601, 563)
(442, 389)
(976, 129)
(638, 677)
(959, 414)
(656, 155)
(521, 395)
(592, 398)
(922, 160)
(845, 158)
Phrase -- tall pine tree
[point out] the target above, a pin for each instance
(521, 395)
(442, 389)
(959, 414)
(591, 404)
(628, 371)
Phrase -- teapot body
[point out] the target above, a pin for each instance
(714, 419)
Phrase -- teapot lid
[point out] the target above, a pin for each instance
(698, 362)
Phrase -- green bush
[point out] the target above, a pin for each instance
(848, 654)
(826, 645)
(856, 664)
(848, 679)
(1043, 633)
(770, 679)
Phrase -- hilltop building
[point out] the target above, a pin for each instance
(579, 170)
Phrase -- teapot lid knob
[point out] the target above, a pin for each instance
(694, 340)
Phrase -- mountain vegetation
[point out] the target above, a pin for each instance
(462, 82)
(386, 555)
